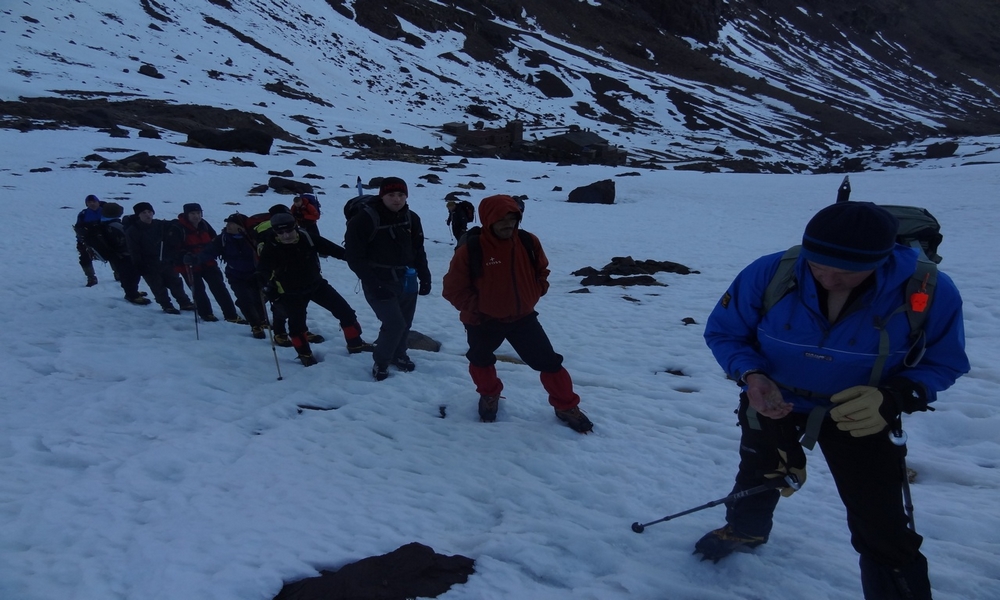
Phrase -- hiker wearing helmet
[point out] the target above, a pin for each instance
(497, 275)
(830, 342)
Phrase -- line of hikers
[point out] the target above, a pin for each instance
(495, 279)
(829, 342)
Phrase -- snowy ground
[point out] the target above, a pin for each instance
(139, 462)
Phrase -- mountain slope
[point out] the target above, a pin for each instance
(769, 85)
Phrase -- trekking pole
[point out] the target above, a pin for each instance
(789, 480)
(898, 437)
(190, 278)
(274, 350)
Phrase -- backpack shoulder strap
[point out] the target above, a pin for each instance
(783, 280)
(528, 241)
(471, 239)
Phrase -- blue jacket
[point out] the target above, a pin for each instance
(237, 251)
(796, 346)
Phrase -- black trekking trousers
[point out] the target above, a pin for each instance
(294, 307)
(161, 279)
(248, 298)
(211, 276)
(868, 474)
(525, 335)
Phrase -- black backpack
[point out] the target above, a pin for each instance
(366, 203)
(471, 239)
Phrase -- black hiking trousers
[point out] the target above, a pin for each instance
(868, 474)
(211, 275)
(294, 305)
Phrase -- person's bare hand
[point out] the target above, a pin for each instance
(765, 397)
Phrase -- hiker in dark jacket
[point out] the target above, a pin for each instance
(832, 360)
(194, 235)
(388, 257)
(289, 272)
(108, 242)
(88, 218)
(497, 297)
(460, 214)
(235, 248)
(153, 260)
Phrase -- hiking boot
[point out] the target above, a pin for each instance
(357, 346)
(380, 372)
(238, 320)
(404, 364)
(91, 280)
(282, 340)
(210, 318)
(188, 306)
(488, 406)
(170, 310)
(140, 300)
(257, 331)
(314, 338)
(720, 543)
(575, 419)
(307, 359)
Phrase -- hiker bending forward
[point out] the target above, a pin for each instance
(495, 279)
(836, 347)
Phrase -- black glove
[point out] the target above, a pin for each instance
(425, 288)
(904, 396)
(270, 292)
(189, 259)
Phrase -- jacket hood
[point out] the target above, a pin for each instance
(495, 208)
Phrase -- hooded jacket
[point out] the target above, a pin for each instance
(796, 346)
(509, 285)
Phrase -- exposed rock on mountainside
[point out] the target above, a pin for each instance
(755, 86)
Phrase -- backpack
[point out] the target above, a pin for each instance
(471, 239)
(313, 200)
(366, 203)
(919, 297)
(918, 229)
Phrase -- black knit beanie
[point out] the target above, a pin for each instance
(854, 236)
(192, 207)
(141, 206)
(392, 184)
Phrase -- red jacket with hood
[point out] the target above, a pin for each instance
(510, 284)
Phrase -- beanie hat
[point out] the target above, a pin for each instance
(392, 184)
(277, 209)
(141, 206)
(854, 236)
(193, 206)
(91, 198)
(282, 222)
(111, 210)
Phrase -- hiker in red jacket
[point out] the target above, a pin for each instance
(306, 214)
(191, 234)
(495, 279)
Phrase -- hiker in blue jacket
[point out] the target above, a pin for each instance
(87, 221)
(820, 352)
